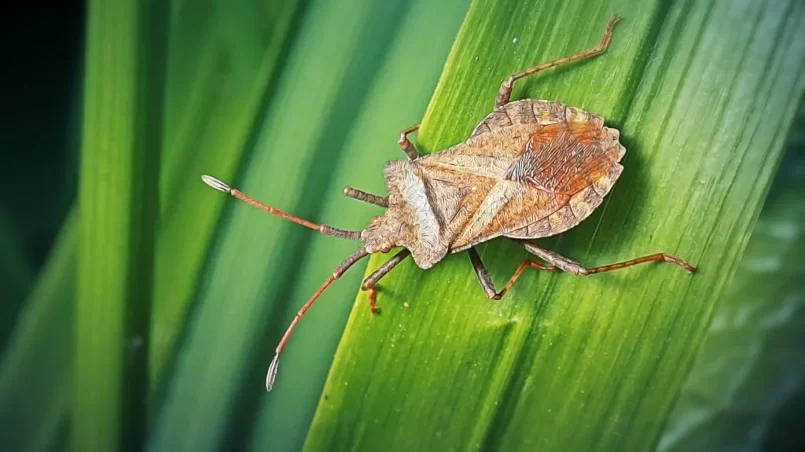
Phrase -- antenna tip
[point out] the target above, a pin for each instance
(216, 184)
(272, 372)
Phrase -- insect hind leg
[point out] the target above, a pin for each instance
(486, 281)
(575, 268)
(505, 91)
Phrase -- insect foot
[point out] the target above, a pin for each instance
(370, 283)
(372, 297)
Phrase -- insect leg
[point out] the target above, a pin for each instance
(486, 280)
(370, 283)
(505, 92)
(406, 144)
(360, 195)
(574, 267)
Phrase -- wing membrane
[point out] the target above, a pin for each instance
(562, 158)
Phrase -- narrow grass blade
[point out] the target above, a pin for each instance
(212, 126)
(124, 80)
(35, 369)
(16, 273)
(395, 100)
(203, 116)
(218, 377)
(703, 93)
(751, 366)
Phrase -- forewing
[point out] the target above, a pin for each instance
(527, 175)
(565, 158)
(562, 173)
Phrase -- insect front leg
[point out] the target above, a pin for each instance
(486, 280)
(360, 195)
(370, 283)
(505, 92)
(574, 267)
(406, 144)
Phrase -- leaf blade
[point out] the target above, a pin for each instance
(202, 117)
(397, 98)
(333, 60)
(748, 368)
(533, 365)
(119, 204)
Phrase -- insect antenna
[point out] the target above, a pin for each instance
(348, 262)
(324, 229)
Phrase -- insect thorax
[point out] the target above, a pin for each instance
(410, 221)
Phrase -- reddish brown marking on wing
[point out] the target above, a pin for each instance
(563, 158)
(563, 173)
(539, 168)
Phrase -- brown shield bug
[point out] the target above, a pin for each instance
(530, 169)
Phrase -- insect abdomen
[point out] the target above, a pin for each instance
(578, 208)
(531, 111)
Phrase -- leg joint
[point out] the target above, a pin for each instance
(577, 270)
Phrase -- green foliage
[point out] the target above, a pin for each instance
(703, 93)
(750, 369)
(218, 74)
(16, 272)
(216, 90)
(223, 92)
(336, 115)
(119, 204)
(35, 373)
(290, 101)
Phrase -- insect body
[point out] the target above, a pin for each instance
(530, 169)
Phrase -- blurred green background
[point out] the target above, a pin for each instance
(290, 100)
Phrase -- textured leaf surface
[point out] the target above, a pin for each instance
(212, 117)
(357, 73)
(751, 368)
(118, 203)
(35, 376)
(16, 272)
(704, 93)
(220, 63)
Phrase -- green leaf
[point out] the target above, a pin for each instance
(222, 58)
(35, 376)
(119, 204)
(16, 272)
(703, 94)
(212, 120)
(332, 121)
(750, 366)
(396, 99)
